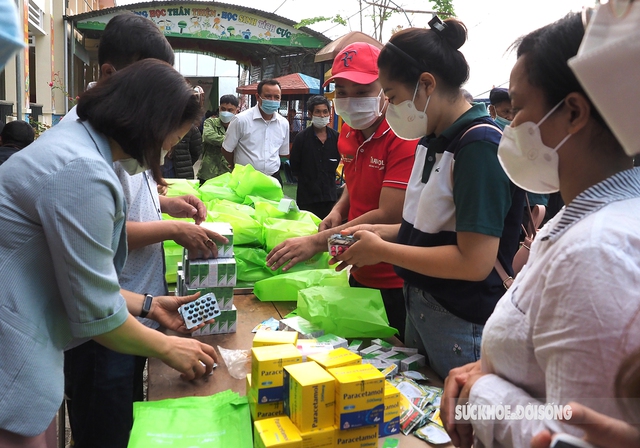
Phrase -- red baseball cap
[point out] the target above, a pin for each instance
(357, 62)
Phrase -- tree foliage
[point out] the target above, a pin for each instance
(335, 19)
(381, 12)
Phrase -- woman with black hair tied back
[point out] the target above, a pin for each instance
(572, 316)
(63, 244)
(461, 214)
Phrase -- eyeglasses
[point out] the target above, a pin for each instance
(619, 9)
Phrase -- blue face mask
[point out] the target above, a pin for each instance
(502, 122)
(269, 106)
(11, 37)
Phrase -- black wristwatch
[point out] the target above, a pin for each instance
(146, 305)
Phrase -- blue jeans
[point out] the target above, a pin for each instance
(101, 386)
(447, 341)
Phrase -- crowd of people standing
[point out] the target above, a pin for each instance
(434, 196)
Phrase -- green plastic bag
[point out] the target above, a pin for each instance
(275, 230)
(172, 256)
(345, 311)
(226, 206)
(266, 209)
(221, 180)
(251, 264)
(285, 287)
(245, 180)
(181, 187)
(209, 192)
(220, 420)
(246, 230)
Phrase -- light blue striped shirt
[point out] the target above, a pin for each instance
(62, 246)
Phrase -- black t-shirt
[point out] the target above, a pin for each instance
(315, 163)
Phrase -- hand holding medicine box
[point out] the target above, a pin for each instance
(224, 229)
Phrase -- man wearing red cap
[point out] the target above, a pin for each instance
(377, 166)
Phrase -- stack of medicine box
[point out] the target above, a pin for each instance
(271, 352)
(364, 407)
(214, 275)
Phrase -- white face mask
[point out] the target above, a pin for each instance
(605, 66)
(320, 122)
(528, 162)
(226, 117)
(133, 167)
(407, 122)
(359, 113)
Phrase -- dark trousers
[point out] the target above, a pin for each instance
(101, 386)
(393, 299)
(320, 209)
(276, 175)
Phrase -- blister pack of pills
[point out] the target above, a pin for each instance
(339, 243)
(201, 310)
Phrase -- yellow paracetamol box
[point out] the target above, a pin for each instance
(359, 396)
(266, 337)
(321, 438)
(364, 437)
(277, 432)
(339, 357)
(260, 411)
(309, 396)
(391, 423)
(267, 365)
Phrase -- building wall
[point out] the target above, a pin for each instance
(49, 58)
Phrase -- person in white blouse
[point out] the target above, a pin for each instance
(572, 315)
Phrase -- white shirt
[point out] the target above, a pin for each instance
(144, 271)
(572, 315)
(257, 142)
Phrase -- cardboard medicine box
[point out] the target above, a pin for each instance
(364, 437)
(391, 423)
(266, 337)
(277, 432)
(224, 229)
(321, 438)
(309, 396)
(226, 322)
(339, 357)
(267, 365)
(359, 396)
(261, 411)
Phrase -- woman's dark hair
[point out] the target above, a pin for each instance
(434, 50)
(547, 51)
(139, 106)
(128, 38)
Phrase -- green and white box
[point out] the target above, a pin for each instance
(224, 229)
(224, 294)
(226, 322)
